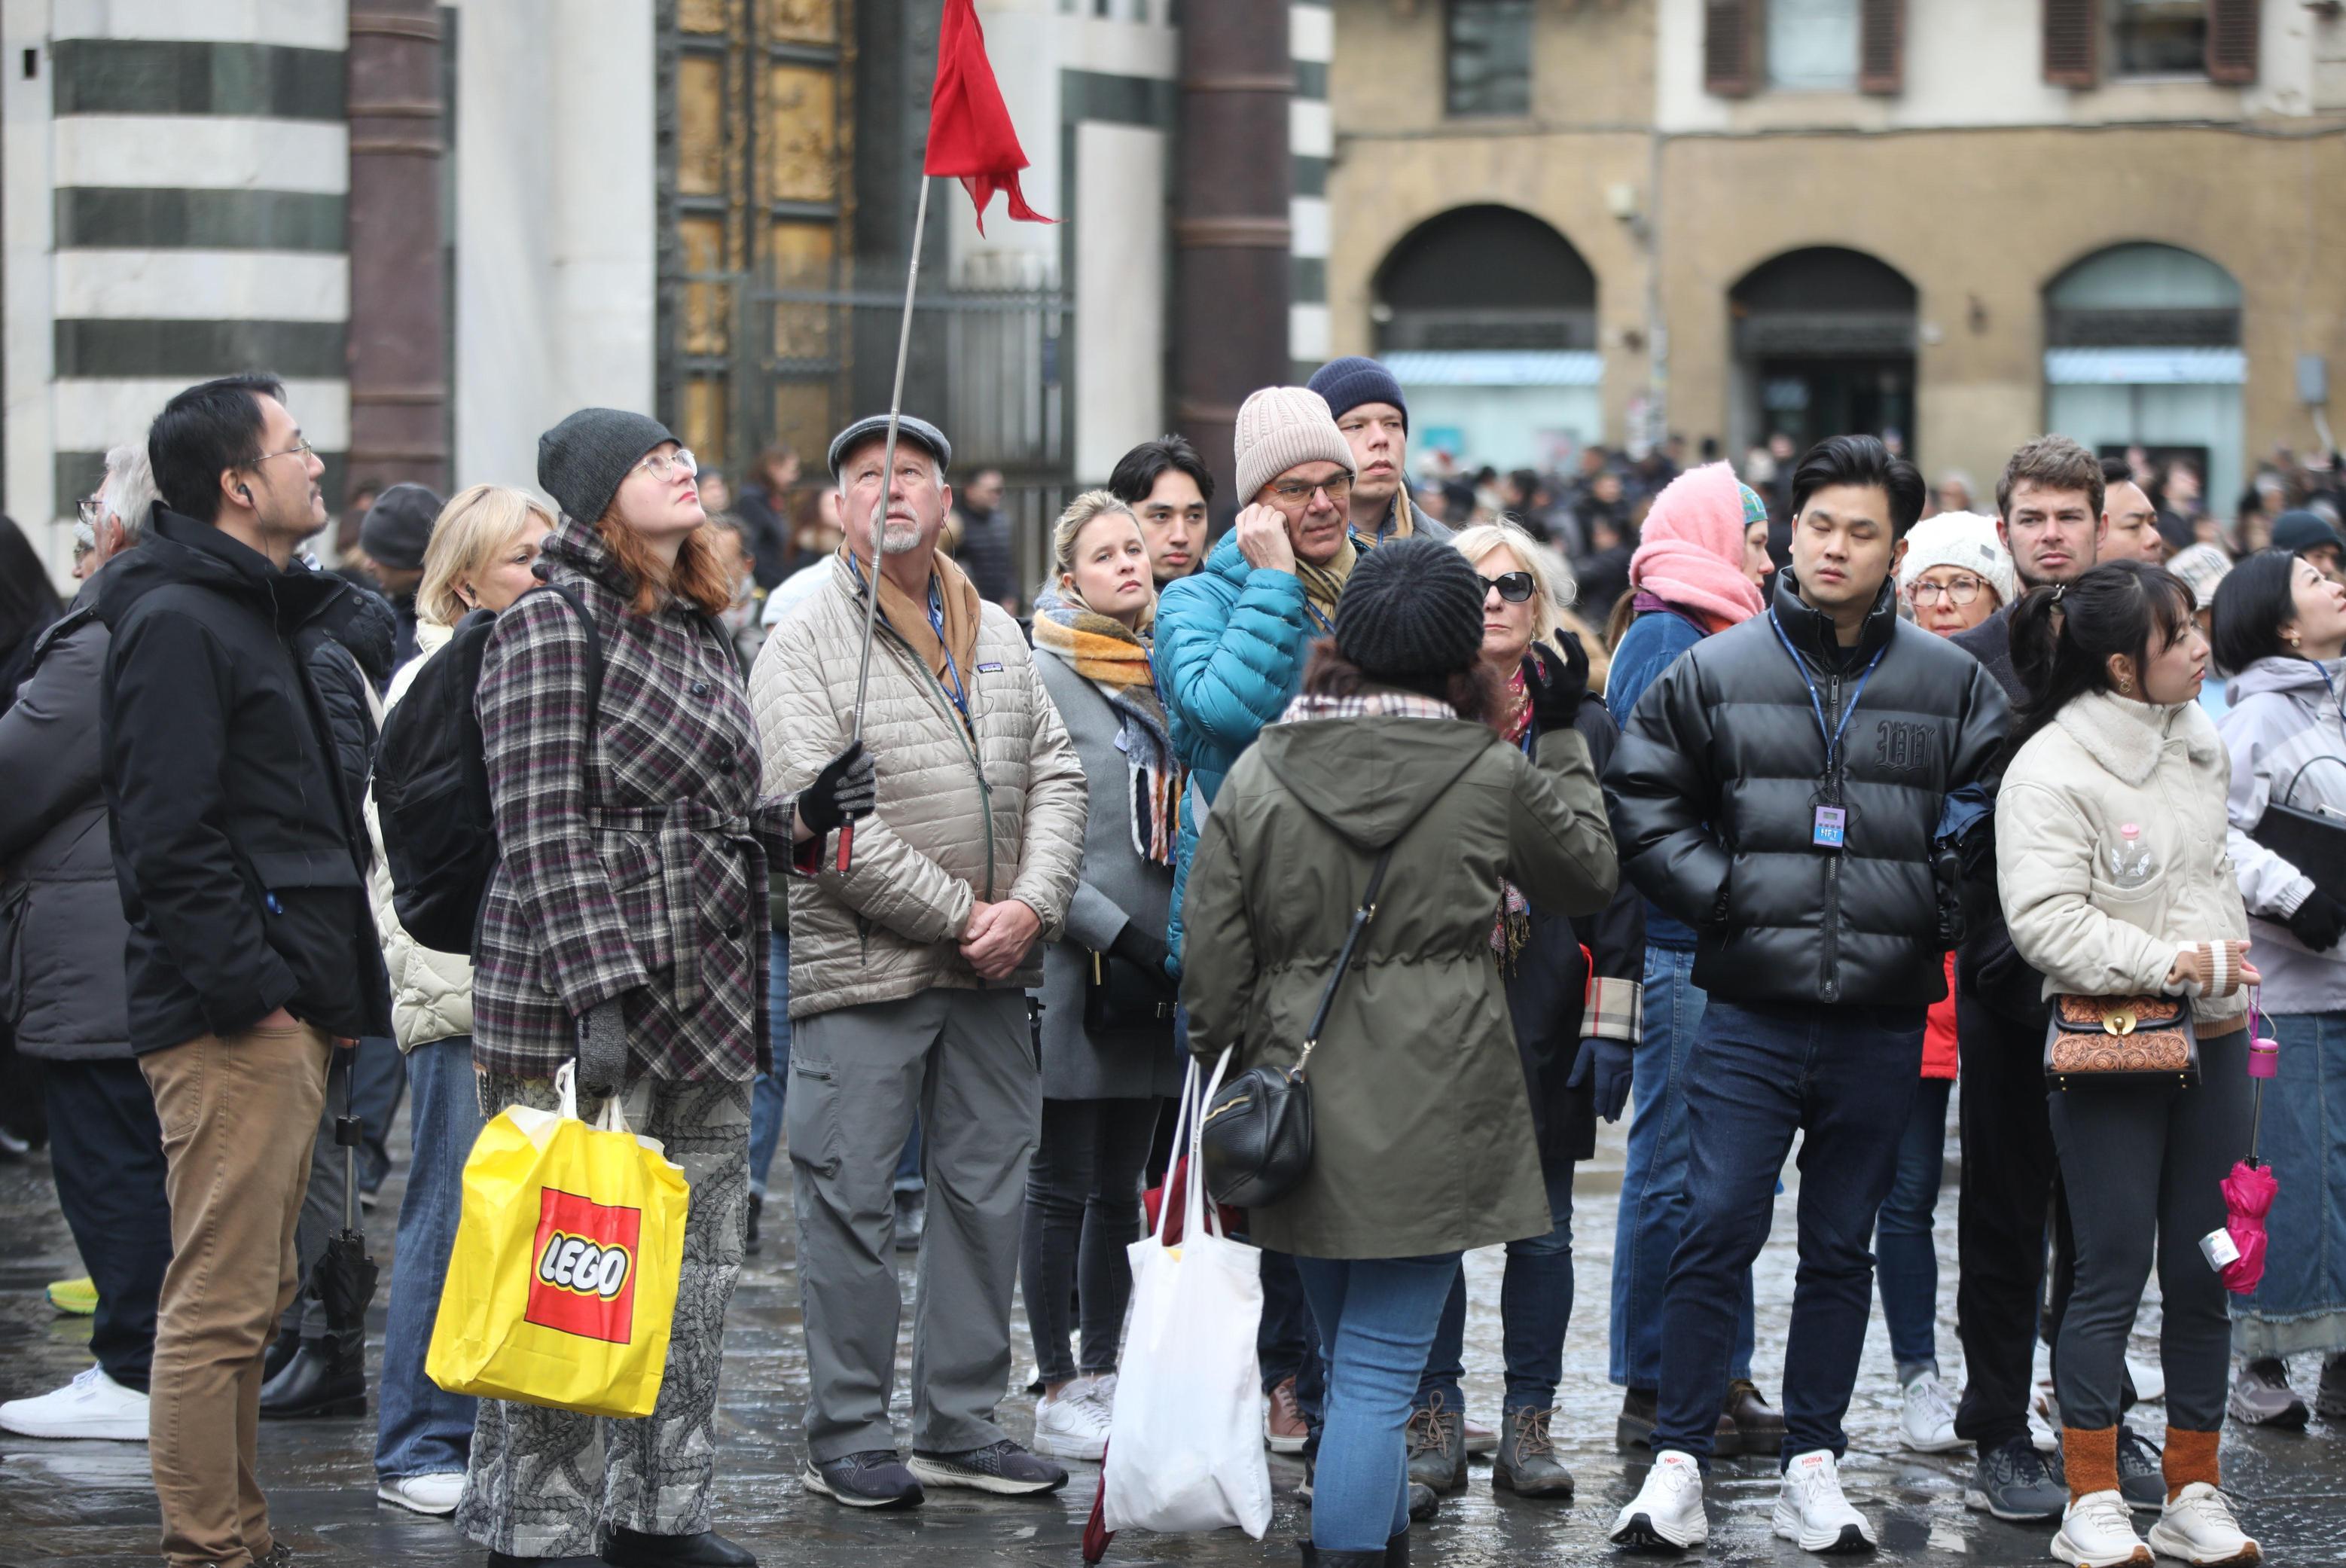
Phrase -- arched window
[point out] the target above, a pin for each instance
(1487, 317)
(1824, 345)
(2142, 347)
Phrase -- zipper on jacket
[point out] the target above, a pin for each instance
(962, 724)
(1836, 772)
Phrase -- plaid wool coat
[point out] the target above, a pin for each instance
(632, 861)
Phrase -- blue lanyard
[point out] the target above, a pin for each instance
(937, 625)
(1831, 735)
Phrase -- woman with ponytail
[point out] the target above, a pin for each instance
(2112, 868)
(1692, 576)
(1109, 1056)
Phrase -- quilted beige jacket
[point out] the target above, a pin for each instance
(2105, 762)
(430, 991)
(995, 810)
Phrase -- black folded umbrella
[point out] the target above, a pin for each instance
(344, 1276)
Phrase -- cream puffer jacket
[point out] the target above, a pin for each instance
(2103, 762)
(993, 811)
(430, 991)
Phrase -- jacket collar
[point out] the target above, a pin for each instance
(581, 547)
(1813, 633)
(177, 549)
(2127, 737)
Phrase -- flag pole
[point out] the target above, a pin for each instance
(887, 482)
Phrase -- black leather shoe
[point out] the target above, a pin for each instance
(325, 1377)
(1315, 1558)
(634, 1549)
(1641, 1412)
(280, 1350)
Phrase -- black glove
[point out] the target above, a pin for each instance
(1608, 1061)
(2318, 921)
(1144, 948)
(1556, 685)
(843, 792)
(603, 1050)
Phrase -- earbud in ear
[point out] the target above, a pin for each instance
(245, 491)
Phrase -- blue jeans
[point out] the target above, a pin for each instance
(1844, 1077)
(1907, 1265)
(2301, 1303)
(1535, 1309)
(770, 1089)
(1377, 1317)
(1653, 1209)
(423, 1429)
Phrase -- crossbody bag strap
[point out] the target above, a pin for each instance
(1362, 916)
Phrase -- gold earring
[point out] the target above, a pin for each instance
(2296, 640)
(2126, 687)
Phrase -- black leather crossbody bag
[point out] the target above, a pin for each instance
(1257, 1128)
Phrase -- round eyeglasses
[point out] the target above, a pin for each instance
(1959, 593)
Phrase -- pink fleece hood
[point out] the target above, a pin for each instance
(1691, 549)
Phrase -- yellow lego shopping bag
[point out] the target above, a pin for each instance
(562, 1287)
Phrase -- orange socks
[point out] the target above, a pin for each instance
(2191, 1456)
(2091, 1459)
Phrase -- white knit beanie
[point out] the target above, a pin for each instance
(1965, 539)
(1280, 427)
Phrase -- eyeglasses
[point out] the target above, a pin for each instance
(1513, 586)
(93, 512)
(1338, 490)
(300, 446)
(1959, 593)
(659, 462)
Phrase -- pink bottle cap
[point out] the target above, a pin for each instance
(2264, 1056)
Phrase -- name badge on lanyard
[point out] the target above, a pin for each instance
(1829, 829)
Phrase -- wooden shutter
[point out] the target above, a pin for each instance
(1731, 47)
(2073, 31)
(1881, 46)
(2232, 41)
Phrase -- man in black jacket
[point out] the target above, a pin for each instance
(240, 851)
(1779, 789)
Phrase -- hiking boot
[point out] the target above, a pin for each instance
(1284, 1428)
(1437, 1447)
(1812, 1511)
(2199, 1528)
(2261, 1397)
(2142, 1480)
(2012, 1481)
(1640, 1409)
(2330, 1399)
(874, 1479)
(1759, 1425)
(1001, 1467)
(2096, 1531)
(1525, 1464)
(1927, 1417)
(1667, 1513)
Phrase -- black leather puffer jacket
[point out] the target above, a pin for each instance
(1721, 767)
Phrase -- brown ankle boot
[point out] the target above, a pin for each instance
(2089, 1456)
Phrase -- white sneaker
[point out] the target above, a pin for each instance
(2150, 1380)
(1100, 1389)
(1668, 1509)
(433, 1494)
(1926, 1419)
(1072, 1424)
(1811, 1511)
(2097, 1531)
(2199, 1527)
(92, 1406)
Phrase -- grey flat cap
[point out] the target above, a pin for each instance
(907, 429)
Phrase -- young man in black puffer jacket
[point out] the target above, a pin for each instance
(1781, 789)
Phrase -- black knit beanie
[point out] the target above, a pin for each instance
(1354, 380)
(399, 526)
(583, 460)
(1410, 609)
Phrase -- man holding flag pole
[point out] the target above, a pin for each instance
(913, 942)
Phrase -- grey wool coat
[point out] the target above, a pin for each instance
(62, 931)
(1120, 885)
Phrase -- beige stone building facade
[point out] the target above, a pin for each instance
(1966, 220)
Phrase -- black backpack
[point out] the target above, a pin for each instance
(432, 785)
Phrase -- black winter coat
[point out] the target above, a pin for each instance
(1547, 989)
(238, 842)
(1714, 791)
(1987, 966)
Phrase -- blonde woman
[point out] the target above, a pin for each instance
(483, 546)
(1105, 1066)
(1576, 1038)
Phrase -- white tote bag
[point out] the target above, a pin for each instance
(1185, 1441)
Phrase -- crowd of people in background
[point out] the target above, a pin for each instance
(1752, 802)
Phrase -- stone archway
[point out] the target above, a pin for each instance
(1824, 345)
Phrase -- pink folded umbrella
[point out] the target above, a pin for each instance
(2249, 1190)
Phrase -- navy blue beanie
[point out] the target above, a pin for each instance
(1350, 381)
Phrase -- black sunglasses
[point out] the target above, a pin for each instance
(1513, 587)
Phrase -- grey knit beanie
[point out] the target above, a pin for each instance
(1280, 427)
(1410, 608)
(583, 460)
(398, 527)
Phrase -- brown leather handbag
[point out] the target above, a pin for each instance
(2121, 1040)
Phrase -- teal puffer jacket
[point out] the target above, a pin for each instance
(1229, 659)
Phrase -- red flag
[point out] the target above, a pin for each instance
(971, 137)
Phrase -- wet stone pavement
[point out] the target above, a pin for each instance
(91, 1504)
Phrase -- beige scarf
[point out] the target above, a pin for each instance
(1323, 585)
(910, 621)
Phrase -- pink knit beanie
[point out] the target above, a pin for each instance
(1690, 552)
